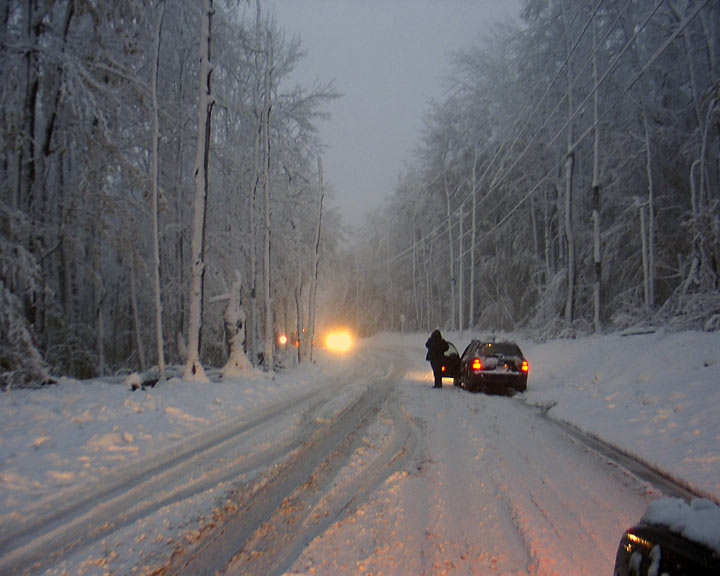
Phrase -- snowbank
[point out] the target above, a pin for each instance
(76, 432)
(655, 396)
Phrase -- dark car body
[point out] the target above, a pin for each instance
(451, 363)
(646, 545)
(493, 368)
(654, 547)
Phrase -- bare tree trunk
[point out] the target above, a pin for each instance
(357, 297)
(28, 156)
(269, 340)
(709, 247)
(547, 233)
(569, 236)
(647, 212)
(534, 225)
(650, 270)
(428, 287)
(237, 362)
(99, 290)
(645, 263)
(252, 332)
(569, 166)
(388, 266)
(451, 249)
(473, 242)
(426, 284)
(316, 261)
(299, 313)
(155, 192)
(597, 272)
(461, 275)
(57, 88)
(193, 367)
(416, 301)
(704, 251)
(180, 291)
(136, 315)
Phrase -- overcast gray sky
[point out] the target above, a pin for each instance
(389, 59)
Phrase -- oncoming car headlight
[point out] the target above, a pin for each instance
(339, 341)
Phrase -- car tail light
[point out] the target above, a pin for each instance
(476, 364)
(525, 367)
(442, 368)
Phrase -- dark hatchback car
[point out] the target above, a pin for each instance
(493, 368)
(451, 363)
(674, 538)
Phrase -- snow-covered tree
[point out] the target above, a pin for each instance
(584, 97)
(193, 366)
(20, 361)
(99, 113)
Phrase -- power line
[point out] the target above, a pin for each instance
(578, 109)
(618, 99)
(508, 149)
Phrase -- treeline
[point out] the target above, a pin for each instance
(105, 107)
(569, 180)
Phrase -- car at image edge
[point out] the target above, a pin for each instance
(673, 538)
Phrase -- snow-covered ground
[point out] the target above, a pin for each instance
(655, 396)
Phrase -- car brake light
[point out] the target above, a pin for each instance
(476, 364)
(442, 369)
(525, 367)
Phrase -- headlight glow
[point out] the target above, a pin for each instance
(339, 341)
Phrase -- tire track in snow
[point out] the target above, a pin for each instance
(636, 467)
(53, 529)
(268, 524)
(549, 486)
(472, 534)
(325, 500)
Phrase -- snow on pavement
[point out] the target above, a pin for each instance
(496, 489)
(654, 395)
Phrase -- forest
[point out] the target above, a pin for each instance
(161, 182)
(567, 183)
(163, 199)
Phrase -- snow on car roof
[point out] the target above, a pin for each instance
(698, 521)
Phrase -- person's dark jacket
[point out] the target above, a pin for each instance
(436, 346)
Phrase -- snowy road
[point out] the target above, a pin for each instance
(367, 471)
(411, 480)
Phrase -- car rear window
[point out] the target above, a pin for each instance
(500, 349)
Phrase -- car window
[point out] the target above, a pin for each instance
(500, 348)
(451, 349)
(470, 349)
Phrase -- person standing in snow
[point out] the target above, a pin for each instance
(436, 347)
